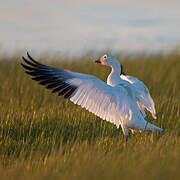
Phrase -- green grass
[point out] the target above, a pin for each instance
(43, 136)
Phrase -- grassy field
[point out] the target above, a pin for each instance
(43, 136)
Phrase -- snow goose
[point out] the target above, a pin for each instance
(114, 101)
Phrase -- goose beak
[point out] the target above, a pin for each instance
(98, 61)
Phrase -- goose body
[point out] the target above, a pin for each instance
(114, 101)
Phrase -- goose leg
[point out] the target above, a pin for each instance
(126, 139)
(125, 132)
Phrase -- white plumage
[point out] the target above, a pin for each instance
(122, 101)
(143, 97)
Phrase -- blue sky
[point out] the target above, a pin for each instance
(62, 26)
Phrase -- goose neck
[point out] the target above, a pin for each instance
(116, 69)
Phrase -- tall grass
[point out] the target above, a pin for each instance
(43, 136)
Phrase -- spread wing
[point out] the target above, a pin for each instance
(144, 99)
(107, 102)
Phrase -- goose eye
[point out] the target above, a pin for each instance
(105, 57)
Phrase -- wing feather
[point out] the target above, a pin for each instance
(143, 97)
(109, 103)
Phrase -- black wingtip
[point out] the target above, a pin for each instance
(28, 55)
(27, 67)
(23, 58)
(29, 62)
(22, 64)
(45, 75)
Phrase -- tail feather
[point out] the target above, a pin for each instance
(152, 127)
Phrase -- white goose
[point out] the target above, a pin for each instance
(115, 101)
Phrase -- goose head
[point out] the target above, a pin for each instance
(107, 60)
(110, 60)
